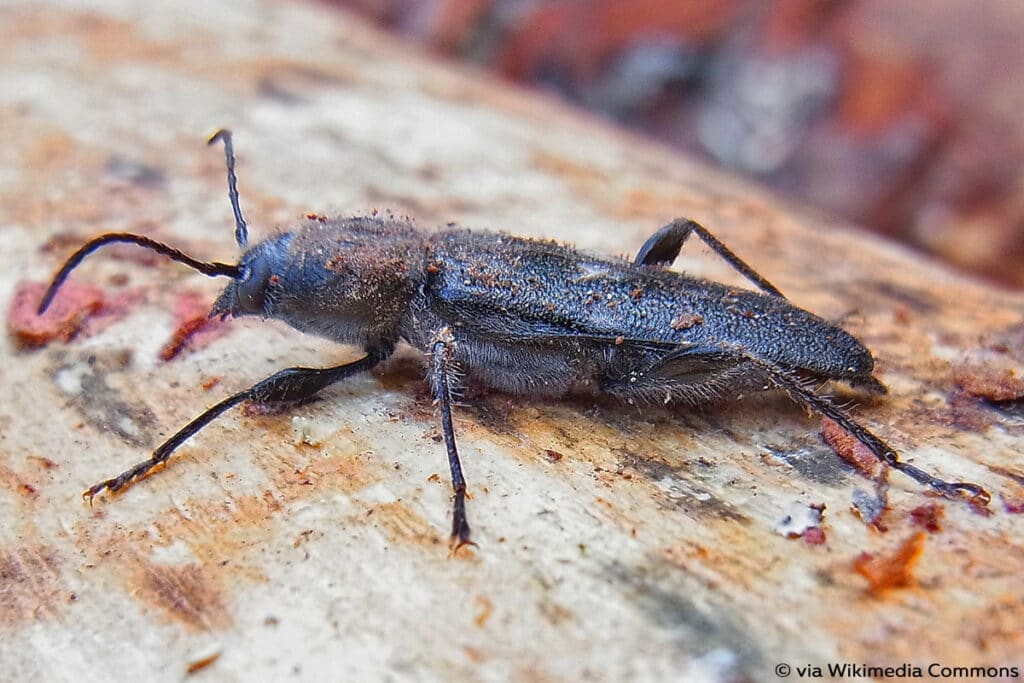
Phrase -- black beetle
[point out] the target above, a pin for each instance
(523, 316)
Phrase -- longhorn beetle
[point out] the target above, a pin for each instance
(522, 316)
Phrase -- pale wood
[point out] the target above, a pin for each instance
(650, 550)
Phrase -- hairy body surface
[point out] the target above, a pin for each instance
(529, 316)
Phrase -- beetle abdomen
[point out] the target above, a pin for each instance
(523, 290)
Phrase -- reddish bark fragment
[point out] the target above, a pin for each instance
(1013, 506)
(814, 535)
(967, 412)
(201, 663)
(994, 384)
(552, 456)
(928, 516)
(850, 449)
(895, 570)
(73, 306)
(195, 329)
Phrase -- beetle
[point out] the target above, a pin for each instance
(519, 315)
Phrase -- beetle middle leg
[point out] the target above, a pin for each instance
(290, 384)
(442, 378)
(664, 246)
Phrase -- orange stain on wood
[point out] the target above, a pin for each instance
(403, 526)
(486, 610)
(188, 593)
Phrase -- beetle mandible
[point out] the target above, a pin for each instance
(522, 316)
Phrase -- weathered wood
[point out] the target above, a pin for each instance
(615, 542)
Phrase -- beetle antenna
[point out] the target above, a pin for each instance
(213, 269)
(241, 228)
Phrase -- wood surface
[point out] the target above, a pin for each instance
(615, 543)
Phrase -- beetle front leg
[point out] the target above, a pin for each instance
(290, 384)
(442, 377)
(664, 246)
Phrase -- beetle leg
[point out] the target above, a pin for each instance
(290, 384)
(663, 247)
(881, 450)
(442, 378)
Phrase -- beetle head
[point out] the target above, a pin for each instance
(253, 290)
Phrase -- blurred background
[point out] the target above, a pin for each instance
(903, 116)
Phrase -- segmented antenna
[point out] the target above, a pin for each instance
(241, 228)
(213, 269)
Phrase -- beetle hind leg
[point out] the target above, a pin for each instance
(664, 246)
(702, 369)
(805, 397)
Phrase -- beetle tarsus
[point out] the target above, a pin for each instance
(122, 480)
(976, 495)
(460, 527)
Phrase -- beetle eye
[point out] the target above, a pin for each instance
(252, 286)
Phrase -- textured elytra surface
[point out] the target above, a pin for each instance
(313, 543)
